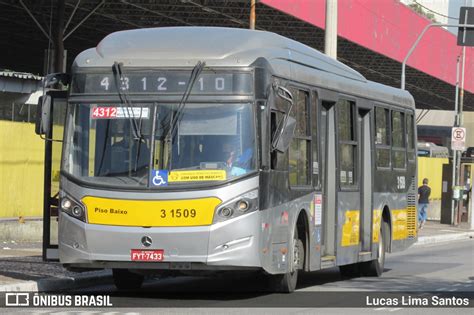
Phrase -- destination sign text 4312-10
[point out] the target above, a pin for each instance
(164, 82)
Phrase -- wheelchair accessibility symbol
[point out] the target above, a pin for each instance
(159, 178)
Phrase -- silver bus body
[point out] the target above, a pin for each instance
(260, 239)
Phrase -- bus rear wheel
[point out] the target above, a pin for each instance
(286, 283)
(374, 268)
(126, 280)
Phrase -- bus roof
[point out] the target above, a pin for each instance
(233, 47)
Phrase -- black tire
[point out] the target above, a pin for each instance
(286, 283)
(374, 268)
(125, 280)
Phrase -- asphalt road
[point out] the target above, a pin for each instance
(445, 268)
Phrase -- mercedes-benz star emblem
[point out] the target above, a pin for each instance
(146, 241)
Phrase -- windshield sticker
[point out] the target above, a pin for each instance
(159, 177)
(196, 176)
(119, 112)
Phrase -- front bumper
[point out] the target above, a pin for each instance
(233, 244)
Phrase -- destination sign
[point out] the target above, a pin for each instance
(164, 82)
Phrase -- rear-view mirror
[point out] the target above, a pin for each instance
(43, 115)
(55, 78)
(288, 130)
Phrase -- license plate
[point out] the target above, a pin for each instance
(146, 255)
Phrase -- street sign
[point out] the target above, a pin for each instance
(466, 34)
(458, 138)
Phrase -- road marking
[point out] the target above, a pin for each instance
(456, 285)
(395, 309)
(441, 289)
(380, 309)
(451, 290)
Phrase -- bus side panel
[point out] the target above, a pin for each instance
(274, 196)
(348, 227)
(404, 214)
(279, 217)
(401, 202)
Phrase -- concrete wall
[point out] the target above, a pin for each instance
(21, 170)
(22, 167)
(432, 168)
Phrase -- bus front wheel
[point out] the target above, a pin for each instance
(126, 280)
(286, 283)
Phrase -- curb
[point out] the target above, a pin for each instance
(60, 284)
(425, 240)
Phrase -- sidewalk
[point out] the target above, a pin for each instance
(435, 232)
(21, 267)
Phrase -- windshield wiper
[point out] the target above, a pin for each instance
(180, 109)
(123, 95)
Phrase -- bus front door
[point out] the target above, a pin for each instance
(353, 181)
(53, 137)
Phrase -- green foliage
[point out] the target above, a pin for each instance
(418, 9)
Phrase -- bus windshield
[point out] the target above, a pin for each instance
(210, 142)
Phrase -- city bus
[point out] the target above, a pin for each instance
(429, 149)
(203, 149)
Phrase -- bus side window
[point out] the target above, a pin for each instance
(410, 137)
(346, 128)
(315, 137)
(382, 138)
(300, 148)
(398, 140)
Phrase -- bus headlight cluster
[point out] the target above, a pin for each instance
(243, 204)
(72, 208)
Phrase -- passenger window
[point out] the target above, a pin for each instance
(315, 133)
(398, 139)
(346, 126)
(300, 147)
(382, 139)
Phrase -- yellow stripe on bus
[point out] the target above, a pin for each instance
(189, 212)
(376, 221)
(399, 224)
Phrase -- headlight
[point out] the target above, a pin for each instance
(72, 207)
(243, 204)
(66, 204)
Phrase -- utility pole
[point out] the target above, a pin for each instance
(252, 14)
(330, 36)
(58, 38)
(459, 114)
(455, 152)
